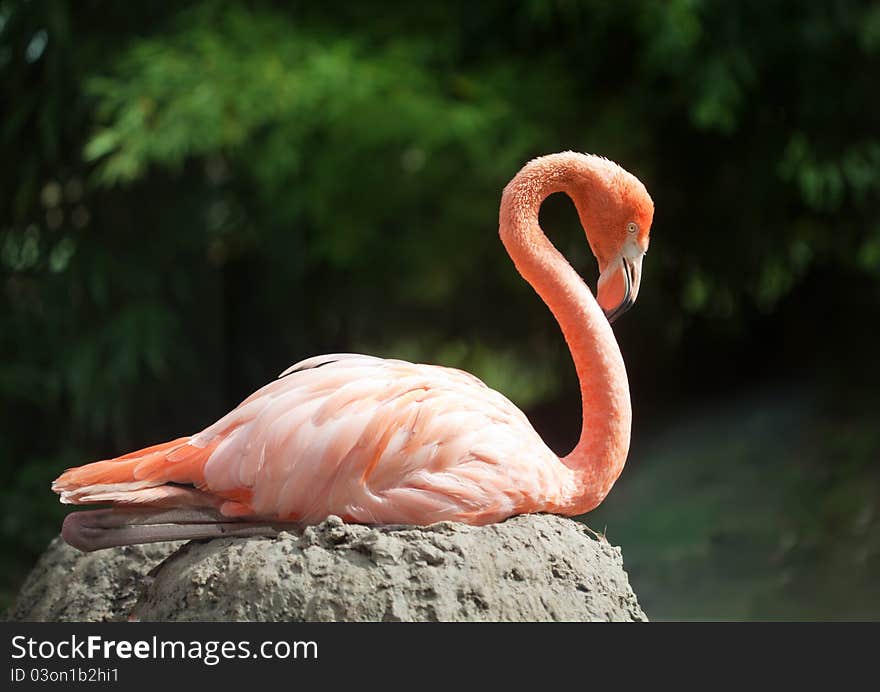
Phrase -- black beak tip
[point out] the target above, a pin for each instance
(612, 315)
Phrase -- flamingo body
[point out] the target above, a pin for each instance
(368, 439)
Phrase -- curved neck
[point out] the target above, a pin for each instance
(600, 454)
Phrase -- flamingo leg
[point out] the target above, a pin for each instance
(109, 528)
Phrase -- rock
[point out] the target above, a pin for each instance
(537, 567)
(67, 585)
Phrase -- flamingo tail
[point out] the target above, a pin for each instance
(164, 475)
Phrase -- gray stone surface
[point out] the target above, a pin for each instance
(67, 585)
(537, 567)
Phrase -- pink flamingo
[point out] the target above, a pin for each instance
(391, 442)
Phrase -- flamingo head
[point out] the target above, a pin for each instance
(617, 214)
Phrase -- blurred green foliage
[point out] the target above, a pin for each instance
(193, 198)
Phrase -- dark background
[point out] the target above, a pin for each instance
(194, 197)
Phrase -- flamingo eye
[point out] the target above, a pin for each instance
(632, 227)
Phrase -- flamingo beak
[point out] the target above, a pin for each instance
(619, 285)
